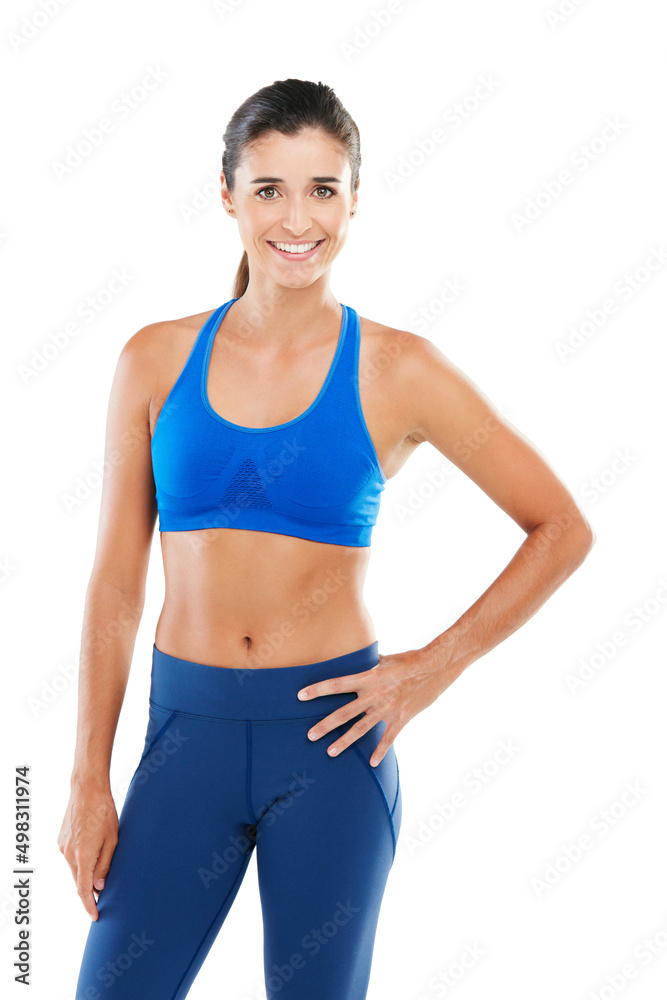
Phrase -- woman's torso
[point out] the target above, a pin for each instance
(255, 598)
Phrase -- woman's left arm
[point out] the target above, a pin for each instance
(443, 406)
(454, 415)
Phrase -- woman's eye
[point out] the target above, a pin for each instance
(321, 188)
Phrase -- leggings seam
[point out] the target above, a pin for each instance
(248, 791)
(398, 787)
(175, 995)
(240, 722)
(165, 725)
(390, 817)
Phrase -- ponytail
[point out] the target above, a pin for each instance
(242, 277)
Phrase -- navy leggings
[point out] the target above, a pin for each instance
(226, 769)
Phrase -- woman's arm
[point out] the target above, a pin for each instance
(112, 613)
(454, 415)
(432, 400)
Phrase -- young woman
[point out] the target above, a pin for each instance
(249, 434)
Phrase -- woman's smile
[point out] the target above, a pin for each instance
(296, 251)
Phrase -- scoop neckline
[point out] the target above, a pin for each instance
(287, 423)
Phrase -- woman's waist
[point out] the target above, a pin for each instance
(181, 686)
(258, 633)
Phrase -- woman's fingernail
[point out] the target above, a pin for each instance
(302, 695)
(99, 884)
(333, 751)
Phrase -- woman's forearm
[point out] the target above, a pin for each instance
(110, 623)
(546, 558)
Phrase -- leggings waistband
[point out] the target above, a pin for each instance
(257, 693)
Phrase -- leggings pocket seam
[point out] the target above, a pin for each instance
(165, 725)
(398, 788)
(390, 814)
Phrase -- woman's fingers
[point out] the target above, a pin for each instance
(349, 736)
(334, 685)
(84, 887)
(103, 863)
(382, 747)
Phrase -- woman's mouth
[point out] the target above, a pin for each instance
(296, 251)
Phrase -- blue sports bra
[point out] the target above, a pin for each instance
(316, 476)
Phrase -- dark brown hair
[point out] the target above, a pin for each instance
(286, 106)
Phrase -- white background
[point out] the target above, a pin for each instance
(472, 879)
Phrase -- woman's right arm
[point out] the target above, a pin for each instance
(112, 612)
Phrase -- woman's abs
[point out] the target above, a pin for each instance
(257, 599)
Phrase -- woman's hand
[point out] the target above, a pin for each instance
(88, 838)
(397, 689)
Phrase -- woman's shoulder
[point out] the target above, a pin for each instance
(151, 359)
(409, 353)
(164, 334)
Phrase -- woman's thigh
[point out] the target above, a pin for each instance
(184, 842)
(326, 841)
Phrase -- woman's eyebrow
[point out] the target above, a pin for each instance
(280, 180)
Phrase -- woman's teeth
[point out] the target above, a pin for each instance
(295, 247)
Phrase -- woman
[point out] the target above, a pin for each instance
(272, 714)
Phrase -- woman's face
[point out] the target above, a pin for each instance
(292, 190)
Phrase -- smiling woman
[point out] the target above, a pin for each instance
(246, 433)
